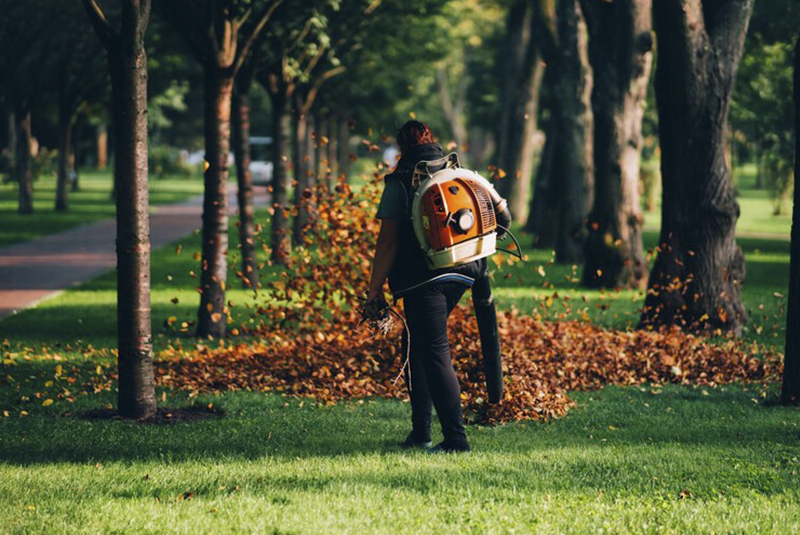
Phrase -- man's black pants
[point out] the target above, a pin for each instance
(433, 378)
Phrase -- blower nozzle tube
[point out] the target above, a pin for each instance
(486, 315)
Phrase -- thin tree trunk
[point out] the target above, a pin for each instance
(790, 393)
(212, 314)
(574, 167)
(12, 133)
(128, 67)
(102, 147)
(696, 277)
(454, 108)
(241, 150)
(317, 148)
(76, 157)
(621, 59)
(304, 174)
(333, 153)
(281, 237)
(64, 158)
(24, 171)
(343, 146)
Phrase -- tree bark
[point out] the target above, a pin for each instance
(696, 277)
(280, 231)
(128, 68)
(241, 150)
(790, 393)
(24, 171)
(573, 165)
(621, 60)
(64, 159)
(523, 78)
(212, 314)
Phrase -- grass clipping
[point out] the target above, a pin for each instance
(311, 343)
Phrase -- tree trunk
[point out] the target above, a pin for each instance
(333, 153)
(696, 277)
(76, 157)
(281, 238)
(318, 149)
(128, 68)
(12, 133)
(523, 77)
(454, 108)
(574, 168)
(543, 214)
(24, 171)
(212, 314)
(241, 150)
(343, 147)
(621, 61)
(790, 392)
(303, 170)
(102, 147)
(64, 158)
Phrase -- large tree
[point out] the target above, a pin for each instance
(127, 63)
(791, 364)
(220, 33)
(696, 277)
(564, 185)
(522, 80)
(621, 59)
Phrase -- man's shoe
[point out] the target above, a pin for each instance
(411, 443)
(444, 447)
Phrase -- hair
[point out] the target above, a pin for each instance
(413, 134)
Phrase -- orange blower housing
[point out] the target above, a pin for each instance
(455, 217)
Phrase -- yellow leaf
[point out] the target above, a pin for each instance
(99, 370)
(58, 370)
(47, 402)
(48, 384)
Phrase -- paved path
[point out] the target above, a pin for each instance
(38, 269)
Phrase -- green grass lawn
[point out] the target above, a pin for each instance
(624, 460)
(92, 203)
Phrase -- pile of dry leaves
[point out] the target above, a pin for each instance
(542, 361)
(311, 343)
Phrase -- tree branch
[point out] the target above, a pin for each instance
(99, 22)
(312, 93)
(254, 35)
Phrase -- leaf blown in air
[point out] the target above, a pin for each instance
(311, 342)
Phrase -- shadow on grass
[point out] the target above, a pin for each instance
(258, 425)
